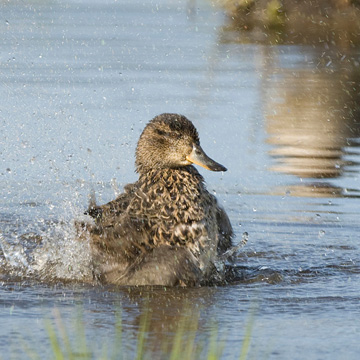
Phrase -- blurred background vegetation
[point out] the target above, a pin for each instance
(296, 21)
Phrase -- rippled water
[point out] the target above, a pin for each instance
(78, 82)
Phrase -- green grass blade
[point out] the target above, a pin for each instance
(117, 353)
(212, 345)
(189, 352)
(31, 353)
(178, 340)
(144, 327)
(81, 344)
(55, 345)
(248, 332)
(65, 338)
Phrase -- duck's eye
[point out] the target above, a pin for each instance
(161, 132)
(171, 134)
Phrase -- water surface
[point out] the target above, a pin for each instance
(78, 82)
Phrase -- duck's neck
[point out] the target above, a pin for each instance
(172, 176)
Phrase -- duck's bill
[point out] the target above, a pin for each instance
(198, 157)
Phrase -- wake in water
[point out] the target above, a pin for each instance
(52, 252)
(49, 252)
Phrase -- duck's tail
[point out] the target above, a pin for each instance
(93, 210)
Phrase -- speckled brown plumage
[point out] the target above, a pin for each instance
(165, 229)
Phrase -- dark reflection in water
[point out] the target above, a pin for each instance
(311, 106)
(312, 113)
(317, 189)
(165, 313)
(294, 21)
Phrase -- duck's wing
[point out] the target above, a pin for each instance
(123, 256)
(116, 231)
(106, 214)
(112, 227)
(118, 239)
(225, 231)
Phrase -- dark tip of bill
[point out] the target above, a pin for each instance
(219, 167)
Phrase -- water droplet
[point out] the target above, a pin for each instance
(245, 236)
(24, 144)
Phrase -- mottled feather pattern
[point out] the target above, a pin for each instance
(166, 228)
(172, 207)
(168, 200)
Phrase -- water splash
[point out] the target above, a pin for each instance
(226, 271)
(235, 249)
(62, 256)
(51, 252)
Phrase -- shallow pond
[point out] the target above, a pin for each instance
(78, 82)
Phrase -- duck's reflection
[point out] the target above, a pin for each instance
(312, 117)
(163, 314)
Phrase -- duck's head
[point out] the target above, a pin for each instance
(171, 141)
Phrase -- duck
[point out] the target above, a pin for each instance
(165, 229)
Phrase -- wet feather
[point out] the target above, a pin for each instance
(166, 228)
